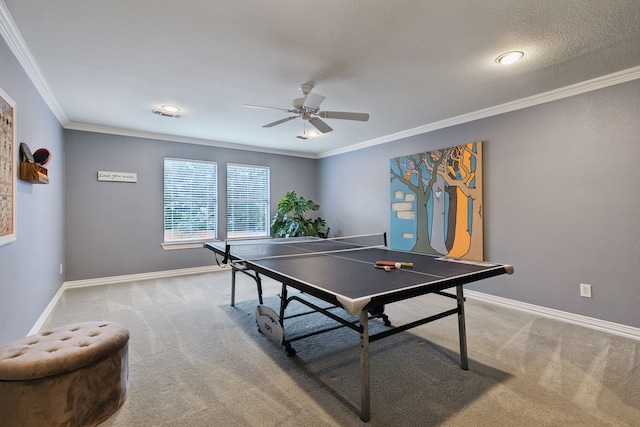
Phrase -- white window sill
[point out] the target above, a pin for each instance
(182, 245)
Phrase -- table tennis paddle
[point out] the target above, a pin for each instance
(395, 264)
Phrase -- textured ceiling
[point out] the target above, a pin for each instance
(106, 64)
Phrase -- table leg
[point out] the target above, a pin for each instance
(283, 303)
(462, 330)
(259, 285)
(233, 285)
(255, 276)
(365, 398)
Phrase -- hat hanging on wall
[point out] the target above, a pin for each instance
(25, 153)
(42, 156)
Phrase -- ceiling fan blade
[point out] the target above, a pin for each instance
(312, 101)
(363, 117)
(320, 125)
(267, 108)
(280, 122)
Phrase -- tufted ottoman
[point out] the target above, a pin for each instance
(76, 375)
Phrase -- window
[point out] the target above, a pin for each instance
(190, 200)
(247, 201)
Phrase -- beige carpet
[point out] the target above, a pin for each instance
(196, 361)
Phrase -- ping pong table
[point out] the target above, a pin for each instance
(340, 271)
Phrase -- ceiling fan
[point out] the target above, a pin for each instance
(308, 108)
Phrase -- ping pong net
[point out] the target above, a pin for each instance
(292, 247)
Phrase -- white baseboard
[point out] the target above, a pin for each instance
(587, 322)
(139, 276)
(576, 319)
(115, 279)
(47, 310)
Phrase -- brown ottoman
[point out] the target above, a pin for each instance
(76, 375)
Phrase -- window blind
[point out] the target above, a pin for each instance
(190, 200)
(247, 201)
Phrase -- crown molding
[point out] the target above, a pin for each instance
(183, 139)
(16, 43)
(20, 50)
(542, 98)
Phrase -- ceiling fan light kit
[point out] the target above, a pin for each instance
(308, 135)
(308, 108)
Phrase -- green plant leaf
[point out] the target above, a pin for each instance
(291, 219)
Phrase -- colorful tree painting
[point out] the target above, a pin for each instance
(436, 202)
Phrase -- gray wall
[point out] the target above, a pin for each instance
(30, 266)
(561, 199)
(561, 202)
(116, 228)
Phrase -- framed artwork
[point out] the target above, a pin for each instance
(8, 162)
(436, 202)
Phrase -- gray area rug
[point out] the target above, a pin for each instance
(196, 361)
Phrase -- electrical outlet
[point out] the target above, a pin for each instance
(60, 268)
(585, 290)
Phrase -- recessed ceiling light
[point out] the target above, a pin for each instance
(509, 57)
(170, 108)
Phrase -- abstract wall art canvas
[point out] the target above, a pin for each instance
(436, 202)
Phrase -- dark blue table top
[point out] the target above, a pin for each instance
(340, 272)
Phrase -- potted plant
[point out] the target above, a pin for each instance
(291, 219)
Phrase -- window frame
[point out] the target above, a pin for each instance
(264, 200)
(210, 188)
